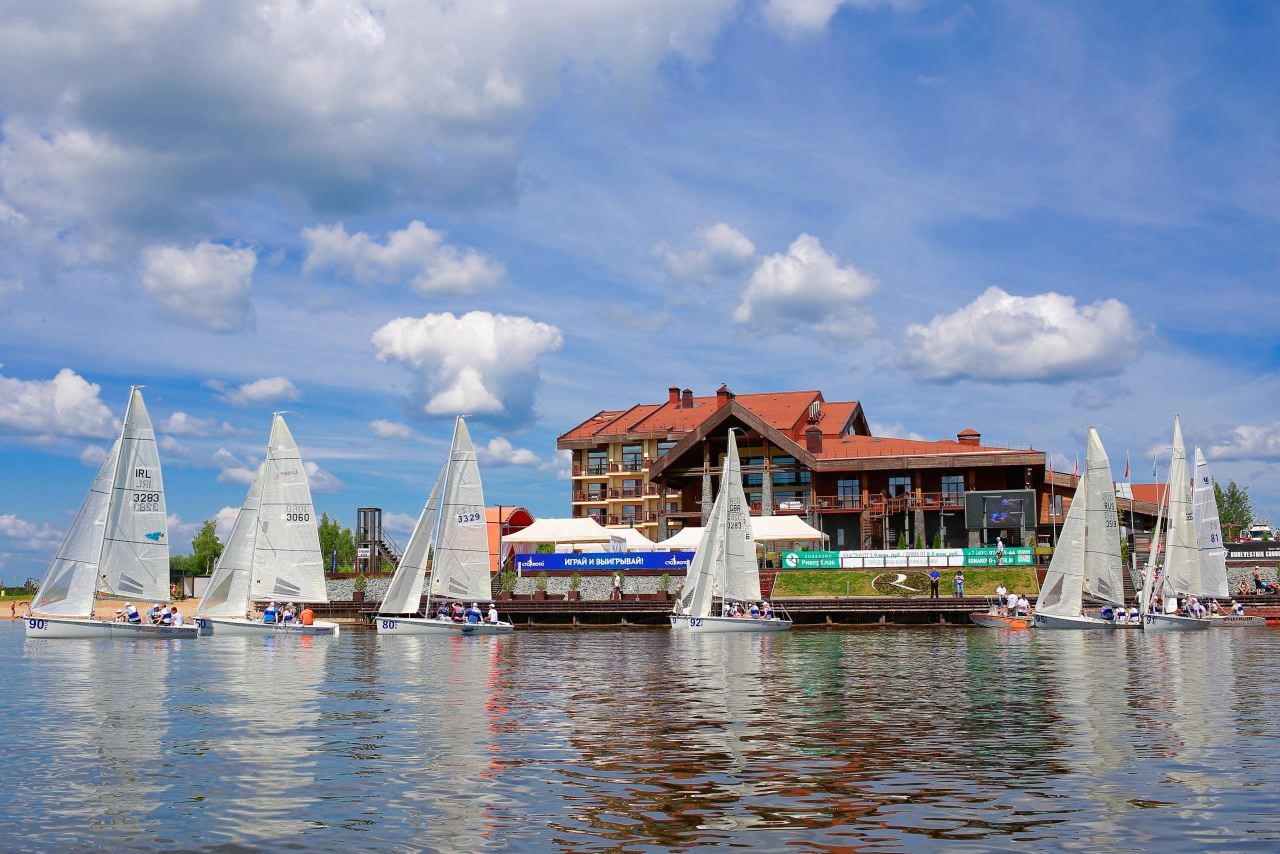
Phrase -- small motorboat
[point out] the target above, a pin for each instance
(992, 620)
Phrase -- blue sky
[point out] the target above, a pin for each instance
(1022, 218)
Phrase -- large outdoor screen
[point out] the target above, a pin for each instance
(1005, 508)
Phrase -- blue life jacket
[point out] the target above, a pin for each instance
(133, 616)
(166, 618)
(269, 615)
(473, 615)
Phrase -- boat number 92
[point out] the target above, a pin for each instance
(695, 622)
(146, 502)
(388, 624)
(468, 517)
(38, 625)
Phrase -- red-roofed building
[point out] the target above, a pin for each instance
(656, 467)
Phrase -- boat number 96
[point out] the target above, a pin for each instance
(695, 622)
(388, 624)
(468, 517)
(38, 625)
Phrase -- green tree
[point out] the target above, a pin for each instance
(902, 540)
(937, 540)
(1235, 510)
(205, 549)
(334, 536)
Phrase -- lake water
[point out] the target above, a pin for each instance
(874, 739)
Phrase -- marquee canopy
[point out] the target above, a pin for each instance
(764, 529)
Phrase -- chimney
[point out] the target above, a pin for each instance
(969, 437)
(723, 395)
(813, 440)
(686, 400)
(673, 394)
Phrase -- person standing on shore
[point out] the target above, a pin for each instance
(934, 578)
(617, 586)
(959, 582)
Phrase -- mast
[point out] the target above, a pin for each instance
(1149, 577)
(115, 478)
(444, 493)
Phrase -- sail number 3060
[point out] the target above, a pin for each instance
(297, 513)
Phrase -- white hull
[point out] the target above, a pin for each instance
(1174, 623)
(422, 626)
(230, 626)
(727, 624)
(1049, 621)
(68, 627)
(1236, 621)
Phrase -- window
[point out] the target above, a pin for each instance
(899, 486)
(631, 488)
(595, 492)
(847, 486)
(1057, 504)
(752, 478)
(673, 506)
(665, 446)
(630, 512)
(840, 537)
(952, 484)
(598, 461)
(596, 513)
(632, 457)
(786, 474)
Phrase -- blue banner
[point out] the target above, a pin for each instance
(603, 561)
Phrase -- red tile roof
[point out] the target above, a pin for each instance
(1151, 493)
(835, 447)
(592, 425)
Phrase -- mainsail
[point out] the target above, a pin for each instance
(1182, 557)
(1063, 588)
(1213, 557)
(700, 579)
(230, 588)
(287, 563)
(67, 588)
(460, 560)
(135, 547)
(1103, 569)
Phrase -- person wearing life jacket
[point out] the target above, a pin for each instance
(755, 611)
(269, 613)
(287, 615)
(131, 614)
(307, 617)
(166, 617)
(442, 613)
(473, 613)
(457, 612)
(1237, 608)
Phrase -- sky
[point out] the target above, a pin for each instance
(1020, 218)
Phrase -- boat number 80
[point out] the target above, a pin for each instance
(388, 624)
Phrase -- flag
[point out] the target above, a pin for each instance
(1076, 471)
(1051, 465)
(1126, 465)
(1154, 461)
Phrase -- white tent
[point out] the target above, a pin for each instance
(582, 529)
(764, 529)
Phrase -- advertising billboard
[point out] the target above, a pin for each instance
(1000, 508)
(603, 561)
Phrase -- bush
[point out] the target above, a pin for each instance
(507, 580)
(540, 582)
(575, 581)
(360, 584)
(902, 540)
(937, 540)
(664, 583)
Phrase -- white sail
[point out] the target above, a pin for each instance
(404, 596)
(1213, 557)
(230, 588)
(700, 579)
(741, 573)
(1103, 569)
(1182, 557)
(1063, 588)
(287, 563)
(1149, 586)
(67, 588)
(460, 561)
(135, 548)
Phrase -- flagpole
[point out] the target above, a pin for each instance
(1133, 552)
(1053, 507)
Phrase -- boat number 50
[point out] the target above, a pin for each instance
(388, 624)
(38, 625)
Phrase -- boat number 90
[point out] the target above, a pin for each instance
(695, 622)
(38, 625)
(388, 624)
(468, 517)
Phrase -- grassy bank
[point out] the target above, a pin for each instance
(856, 582)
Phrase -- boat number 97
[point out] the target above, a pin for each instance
(388, 624)
(38, 625)
(468, 517)
(146, 502)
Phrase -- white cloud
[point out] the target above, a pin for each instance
(224, 521)
(806, 290)
(416, 254)
(562, 465)
(385, 429)
(1002, 337)
(321, 480)
(1101, 395)
(399, 524)
(500, 452)
(207, 285)
(184, 424)
(1246, 442)
(181, 533)
(342, 105)
(265, 390)
(478, 364)
(894, 431)
(92, 455)
(19, 534)
(799, 17)
(721, 250)
(233, 469)
(173, 452)
(67, 405)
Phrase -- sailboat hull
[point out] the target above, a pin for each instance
(67, 627)
(230, 626)
(996, 621)
(1049, 621)
(1173, 623)
(682, 622)
(1236, 621)
(422, 626)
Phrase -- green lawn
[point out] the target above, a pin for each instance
(978, 581)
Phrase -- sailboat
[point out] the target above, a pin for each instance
(724, 565)
(273, 552)
(1213, 557)
(118, 544)
(1087, 559)
(1181, 571)
(452, 535)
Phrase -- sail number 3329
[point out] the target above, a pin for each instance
(469, 517)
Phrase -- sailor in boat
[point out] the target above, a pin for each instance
(308, 617)
(442, 613)
(767, 609)
(1107, 613)
(458, 615)
(119, 616)
(755, 611)
(269, 613)
(474, 614)
(288, 614)
(493, 613)
(166, 618)
(1237, 608)
(131, 614)
(1133, 613)
(1024, 607)
(1122, 615)
(178, 619)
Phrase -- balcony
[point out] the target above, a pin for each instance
(630, 464)
(837, 503)
(590, 469)
(646, 518)
(587, 497)
(790, 507)
(881, 505)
